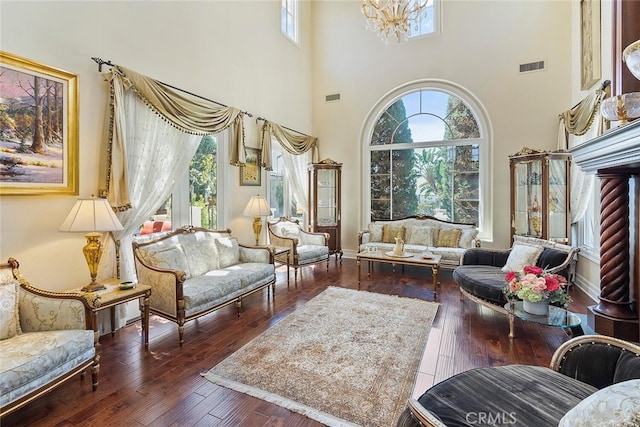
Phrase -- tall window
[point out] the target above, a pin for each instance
(427, 153)
(281, 198)
(195, 197)
(429, 21)
(289, 19)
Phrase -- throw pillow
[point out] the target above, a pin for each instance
(390, 232)
(421, 236)
(613, 406)
(448, 237)
(522, 255)
(171, 258)
(376, 232)
(9, 320)
(228, 251)
(466, 237)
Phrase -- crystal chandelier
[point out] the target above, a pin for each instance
(393, 17)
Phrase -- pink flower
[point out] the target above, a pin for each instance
(510, 276)
(552, 283)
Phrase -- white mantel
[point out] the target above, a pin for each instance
(619, 147)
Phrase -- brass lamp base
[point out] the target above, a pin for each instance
(93, 286)
(92, 253)
(257, 228)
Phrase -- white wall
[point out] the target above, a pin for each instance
(480, 48)
(228, 51)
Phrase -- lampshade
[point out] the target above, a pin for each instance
(91, 215)
(257, 206)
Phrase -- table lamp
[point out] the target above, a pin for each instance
(257, 208)
(93, 216)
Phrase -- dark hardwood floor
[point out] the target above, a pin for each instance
(163, 386)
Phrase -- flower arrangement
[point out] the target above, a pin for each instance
(533, 284)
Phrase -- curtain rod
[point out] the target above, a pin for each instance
(292, 130)
(102, 62)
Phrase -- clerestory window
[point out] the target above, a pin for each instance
(289, 19)
(427, 153)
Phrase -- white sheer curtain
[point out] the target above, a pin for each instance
(157, 153)
(295, 171)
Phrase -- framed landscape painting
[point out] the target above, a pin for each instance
(250, 173)
(590, 55)
(38, 128)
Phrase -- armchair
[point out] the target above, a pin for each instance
(305, 248)
(591, 379)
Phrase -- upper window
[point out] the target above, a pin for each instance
(289, 19)
(427, 154)
(428, 22)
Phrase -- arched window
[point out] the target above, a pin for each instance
(427, 152)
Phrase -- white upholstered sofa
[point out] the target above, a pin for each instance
(46, 338)
(193, 271)
(422, 233)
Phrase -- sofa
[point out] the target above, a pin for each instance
(592, 380)
(305, 248)
(193, 271)
(422, 233)
(46, 338)
(481, 274)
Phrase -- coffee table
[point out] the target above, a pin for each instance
(556, 316)
(417, 260)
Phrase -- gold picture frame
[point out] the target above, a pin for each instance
(590, 39)
(38, 128)
(250, 171)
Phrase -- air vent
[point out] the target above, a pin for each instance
(334, 97)
(532, 66)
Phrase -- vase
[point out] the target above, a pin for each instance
(540, 308)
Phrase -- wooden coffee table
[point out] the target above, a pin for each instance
(410, 259)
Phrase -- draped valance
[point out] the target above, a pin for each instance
(184, 112)
(294, 143)
(578, 120)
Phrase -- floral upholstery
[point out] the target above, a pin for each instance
(420, 235)
(210, 270)
(55, 338)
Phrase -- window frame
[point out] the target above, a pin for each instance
(288, 197)
(485, 144)
(437, 23)
(289, 8)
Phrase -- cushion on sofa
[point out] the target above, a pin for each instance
(615, 406)
(541, 395)
(421, 236)
(199, 253)
(448, 237)
(484, 281)
(9, 320)
(376, 232)
(522, 255)
(227, 251)
(168, 257)
(390, 232)
(467, 236)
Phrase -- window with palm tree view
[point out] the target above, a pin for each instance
(425, 159)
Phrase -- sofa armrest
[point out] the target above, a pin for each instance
(364, 236)
(53, 311)
(260, 254)
(481, 256)
(309, 238)
(166, 286)
(597, 360)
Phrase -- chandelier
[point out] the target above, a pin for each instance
(393, 17)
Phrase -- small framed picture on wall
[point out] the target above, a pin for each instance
(251, 172)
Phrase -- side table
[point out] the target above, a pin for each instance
(113, 296)
(279, 253)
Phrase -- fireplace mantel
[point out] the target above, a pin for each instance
(617, 148)
(615, 159)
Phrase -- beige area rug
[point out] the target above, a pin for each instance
(345, 358)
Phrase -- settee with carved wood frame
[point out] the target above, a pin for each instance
(47, 339)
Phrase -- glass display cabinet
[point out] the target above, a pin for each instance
(540, 202)
(325, 202)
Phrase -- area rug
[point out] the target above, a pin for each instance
(345, 358)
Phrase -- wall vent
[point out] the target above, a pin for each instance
(333, 97)
(532, 66)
